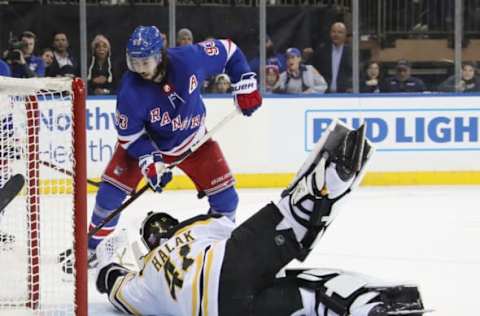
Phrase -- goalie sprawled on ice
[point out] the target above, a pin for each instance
(205, 266)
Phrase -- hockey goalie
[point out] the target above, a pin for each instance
(206, 266)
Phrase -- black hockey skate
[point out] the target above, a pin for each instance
(349, 293)
(7, 241)
(399, 300)
(66, 260)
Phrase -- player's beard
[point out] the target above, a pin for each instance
(159, 75)
(161, 70)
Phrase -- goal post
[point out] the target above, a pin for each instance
(43, 119)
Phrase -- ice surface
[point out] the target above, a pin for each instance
(424, 235)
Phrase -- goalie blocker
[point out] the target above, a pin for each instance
(218, 270)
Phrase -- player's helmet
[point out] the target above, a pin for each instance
(155, 228)
(144, 49)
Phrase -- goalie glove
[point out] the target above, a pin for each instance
(246, 94)
(155, 171)
(111, 255)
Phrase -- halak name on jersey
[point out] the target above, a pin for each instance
(181, 276)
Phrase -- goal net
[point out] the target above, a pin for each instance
(42, 137)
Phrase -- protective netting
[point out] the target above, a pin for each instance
(36, 131)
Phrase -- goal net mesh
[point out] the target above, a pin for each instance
(37, 141)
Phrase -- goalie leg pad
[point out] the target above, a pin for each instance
(349, 293)
(334, 167)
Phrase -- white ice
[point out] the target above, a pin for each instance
(424, 235)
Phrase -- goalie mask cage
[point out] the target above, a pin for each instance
(43, 119)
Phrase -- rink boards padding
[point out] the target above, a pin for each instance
(420, 139)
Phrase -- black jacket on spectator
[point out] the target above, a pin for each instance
(369, 88)
(54, 70)
(104, 70)
(322, 60)
(412, 84)
(472, 85)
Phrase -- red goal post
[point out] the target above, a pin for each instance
(43, 119)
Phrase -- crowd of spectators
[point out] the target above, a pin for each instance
(20, 61)
(326, 68)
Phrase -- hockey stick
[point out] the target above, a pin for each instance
(62, 256)
(8, 192)
(67, 172)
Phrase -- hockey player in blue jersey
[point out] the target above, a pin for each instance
(160, 114)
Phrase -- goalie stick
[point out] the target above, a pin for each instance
(64, 255)
(8, 192)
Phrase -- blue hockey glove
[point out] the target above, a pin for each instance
(155, 171)
(246, 94)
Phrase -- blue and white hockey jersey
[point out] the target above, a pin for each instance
(169, 117)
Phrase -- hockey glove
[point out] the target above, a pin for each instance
(111, 255)
(155, 171)
(246, 94)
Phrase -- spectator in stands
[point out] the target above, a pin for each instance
(100, 77)
(299, 78)
(469, 81)
(63, 65)
(27, 65)
(403, 81)
(47, 57)
(222, 84)
(5, 69)
(372, 79)
(272, 75)
(334, 60)
(184, 37)
(272, 58)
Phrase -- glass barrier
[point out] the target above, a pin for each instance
(299, 46)
(404, 45)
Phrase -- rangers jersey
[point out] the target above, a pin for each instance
(180, 277)
(172, 112)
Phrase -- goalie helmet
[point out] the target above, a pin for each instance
(155, 228)
(144, 50)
